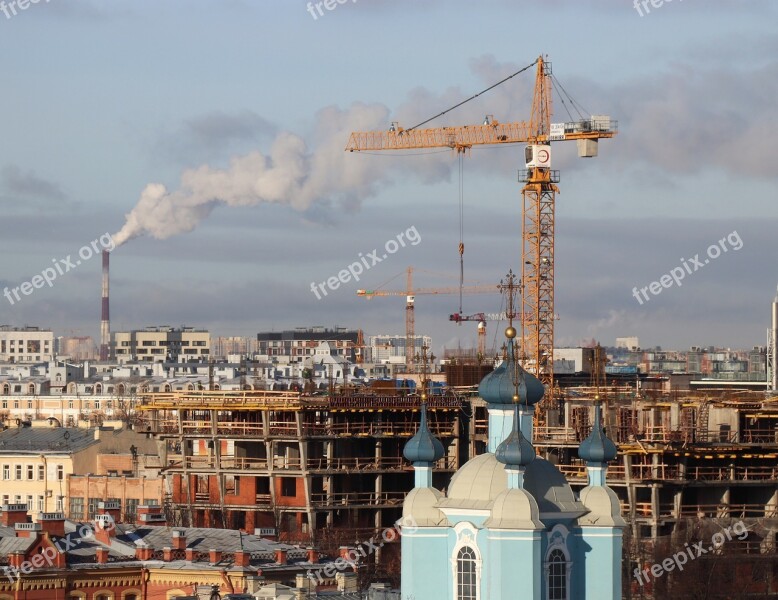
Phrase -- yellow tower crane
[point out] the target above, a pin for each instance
(410, 300)
(538, 194)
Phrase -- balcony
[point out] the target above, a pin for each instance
(357, 499)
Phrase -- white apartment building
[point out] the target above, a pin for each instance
(26, 344)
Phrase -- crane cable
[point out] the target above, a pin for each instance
(473, 97)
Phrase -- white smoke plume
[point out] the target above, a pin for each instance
(291, 173)
(302, 173)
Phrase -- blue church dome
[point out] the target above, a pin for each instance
(515, 450)
(597, 448)
(423, 447)
(499, 386)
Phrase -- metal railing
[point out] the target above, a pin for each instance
(353, 499)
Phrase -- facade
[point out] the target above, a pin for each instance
(296, 464)
(36, 463)
(391, 348)
(509, 520)
(77, 348)
(224, 346)
(299, 344)
(26, 344)
(161, 344)
(573, 360)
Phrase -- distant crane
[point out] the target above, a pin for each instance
(410, 298)
(538, 193)
(482, 318)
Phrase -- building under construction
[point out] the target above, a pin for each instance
(291, 464)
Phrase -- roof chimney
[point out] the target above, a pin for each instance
(280, 556)
(242, 559)
(13, 514)
(214, 556)
(101, 555)
(112, 508)
(52, 523)
(143, 551)
(147, 515)
(179, 540)
(27, 530)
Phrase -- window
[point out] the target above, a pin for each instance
(6, 471)
(6, 498)
(76, 508)
(467, 586)
(29, 501)
(41, 507)
(18, 471)
(60, 503)
(30, 472)
(41, 473)
(93, 507)
(288, 487)
(132, 508)
(557, 575)
(60, 472)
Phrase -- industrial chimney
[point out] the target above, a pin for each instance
(773, 340)
(105, 321)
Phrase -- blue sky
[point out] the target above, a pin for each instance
(102, 99)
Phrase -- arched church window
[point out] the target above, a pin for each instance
(557, 575)
(467, 585)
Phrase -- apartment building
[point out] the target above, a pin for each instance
(161, 344)
(298, 344)
(35, 463)
(26, 344)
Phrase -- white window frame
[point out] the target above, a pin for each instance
(557, 540)
(466, 538)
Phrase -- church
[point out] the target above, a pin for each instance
(510, 526)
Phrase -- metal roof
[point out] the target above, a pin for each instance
(23, 440)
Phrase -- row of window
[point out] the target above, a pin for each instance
(467, 575)
(30, 470)
(76, 506)
(30, 502)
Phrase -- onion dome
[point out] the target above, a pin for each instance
(515, 450)
(499, 386)
(597, 448)
(423, 447)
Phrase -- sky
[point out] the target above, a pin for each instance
(208, 138)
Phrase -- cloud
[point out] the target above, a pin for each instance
(28, 185)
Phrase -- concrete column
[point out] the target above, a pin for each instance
(654, 510)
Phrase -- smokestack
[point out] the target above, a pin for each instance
(105, 321)
(773, 341)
